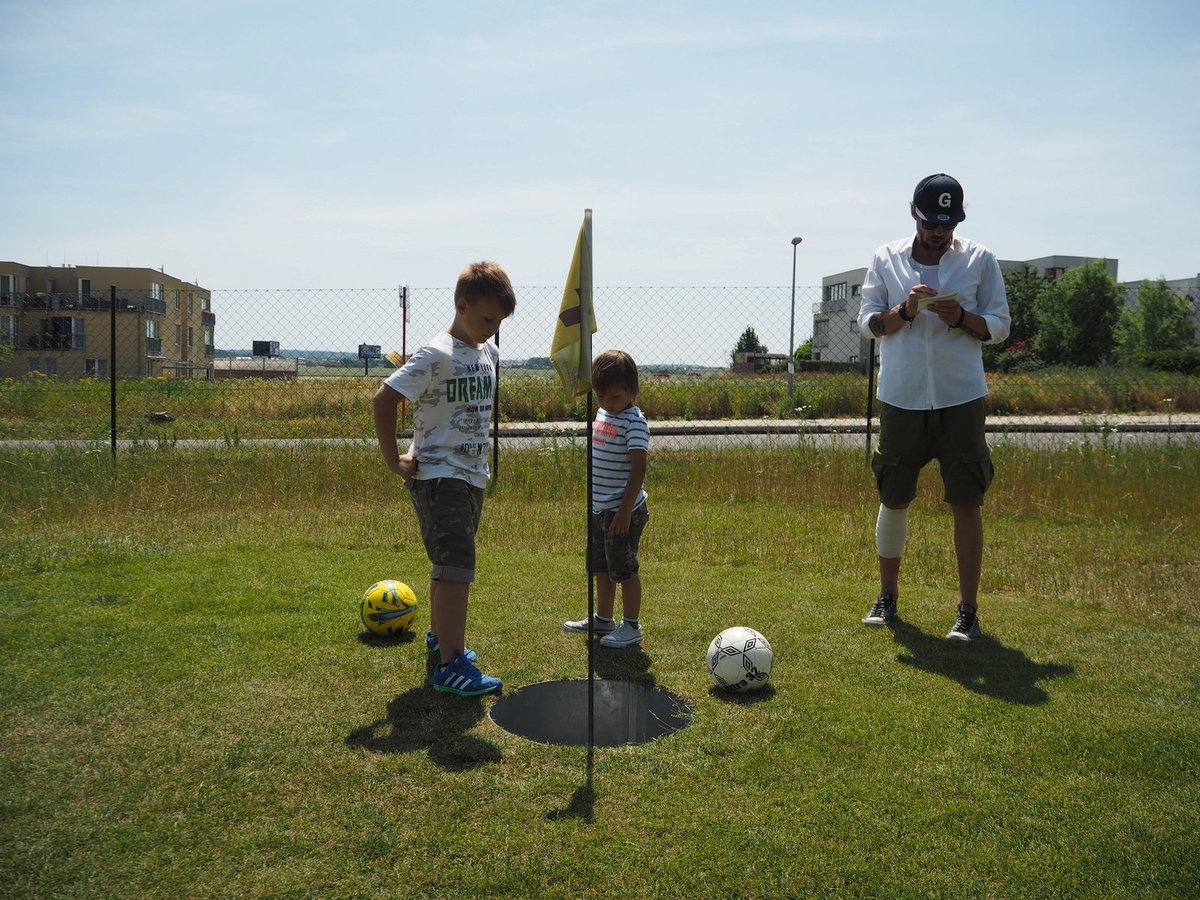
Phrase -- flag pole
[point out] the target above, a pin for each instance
(571, 354)
(591, 727)
(495, 473)
(585, 279)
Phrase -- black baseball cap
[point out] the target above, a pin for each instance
(939, 198)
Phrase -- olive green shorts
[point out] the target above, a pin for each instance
(910, 438)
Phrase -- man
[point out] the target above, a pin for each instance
(931, 384)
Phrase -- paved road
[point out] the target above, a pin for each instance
(1026, 431)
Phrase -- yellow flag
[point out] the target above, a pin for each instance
(571, 351)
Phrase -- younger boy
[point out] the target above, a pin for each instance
(452, 384)
(620, 446)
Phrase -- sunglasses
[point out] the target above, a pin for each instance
(936, 226)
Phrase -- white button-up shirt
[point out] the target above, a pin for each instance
(927, 365)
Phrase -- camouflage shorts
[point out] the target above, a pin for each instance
(616, 555)
(448, 512)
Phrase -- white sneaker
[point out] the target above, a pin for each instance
(625, 636)
(598, 627)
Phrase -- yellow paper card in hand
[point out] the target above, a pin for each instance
(925, 302)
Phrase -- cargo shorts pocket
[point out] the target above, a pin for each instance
(895, 481)
(968, 478)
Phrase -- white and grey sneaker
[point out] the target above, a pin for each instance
(966, 625)
(625, 636)
(598, 626)
(884, 610)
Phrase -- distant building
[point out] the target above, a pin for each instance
(57, 321)
(835, 333)
(747, 362)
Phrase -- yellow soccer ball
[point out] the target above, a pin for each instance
(389, 607)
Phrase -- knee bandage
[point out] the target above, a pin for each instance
(891, 531)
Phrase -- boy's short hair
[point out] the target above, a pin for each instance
(614, 368)
(486, 279)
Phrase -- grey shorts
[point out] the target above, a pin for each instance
(910, 438)
(616, 555)
(448, 511)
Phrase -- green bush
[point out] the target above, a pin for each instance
(1185, 360)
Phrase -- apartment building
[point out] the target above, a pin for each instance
(58, 321)
(836, 337)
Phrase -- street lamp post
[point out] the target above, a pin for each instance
(792, 329)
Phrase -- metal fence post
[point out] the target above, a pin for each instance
(112, 369)
(870, 395)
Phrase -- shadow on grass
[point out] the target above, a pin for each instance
(423, 719)
(983, 665)
(764, 693)
(371, 639)
(628, 664)
(582, 806)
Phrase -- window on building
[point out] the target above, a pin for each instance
(152, 328)
(155, 290)
(85, 289)
(35, 364)
(57, 333)
(1054, 272)
(189, 337)
(8, 330)
(176, 335)
(856, 290)
(51, 365)
(208, 338)
(835, 292)
(95, 368)
(191, 304)
(77, 337)
(8, 287)
(177, 300)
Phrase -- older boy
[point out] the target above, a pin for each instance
(452, 384)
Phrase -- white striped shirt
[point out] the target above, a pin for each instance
(613, 436)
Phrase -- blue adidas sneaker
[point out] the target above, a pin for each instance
(459, 676)
(432, 646)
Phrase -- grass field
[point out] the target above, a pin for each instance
(189, 707)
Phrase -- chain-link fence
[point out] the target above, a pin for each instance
(237, 365)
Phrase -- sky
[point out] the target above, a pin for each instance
(247, 145)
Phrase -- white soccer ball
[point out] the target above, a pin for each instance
(740, 659)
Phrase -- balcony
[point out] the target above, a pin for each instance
(153, 346)
(48, 342)
(208, 318)
(73, 301)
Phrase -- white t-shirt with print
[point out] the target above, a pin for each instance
(453, 387)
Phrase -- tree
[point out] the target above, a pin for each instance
(748, 343)
(804, 352)
(1159, 320)
(1021, 288)
(1076, 315)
